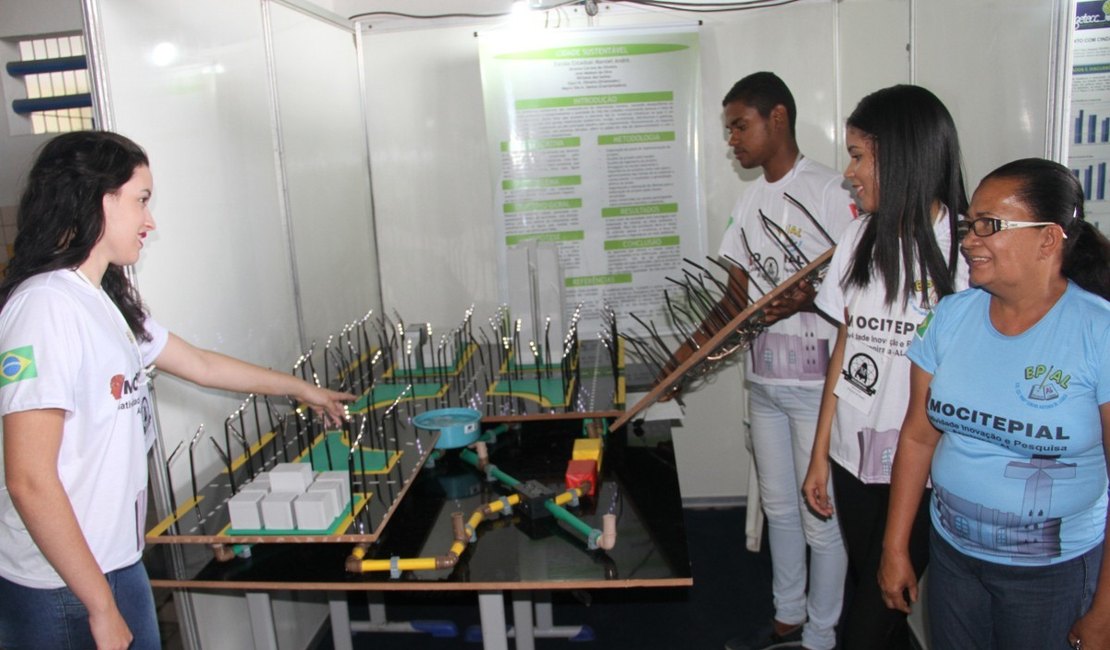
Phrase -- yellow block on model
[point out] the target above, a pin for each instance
(588, 449)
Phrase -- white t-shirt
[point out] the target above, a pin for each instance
(66, 346)
(795, 351)
(873, 388)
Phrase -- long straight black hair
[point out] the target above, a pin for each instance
(61, 213)
(917, 158)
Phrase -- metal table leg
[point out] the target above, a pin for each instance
(491, 606)
(340, 620)
(262, 620)
(523, 629)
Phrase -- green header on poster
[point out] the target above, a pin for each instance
(595, 280)
(595, 51)
(640, 242)
(538, 206)
(540, 143)
(594, 100)
(636, 138)
(640, 210)
(543, 181)
(567, 235)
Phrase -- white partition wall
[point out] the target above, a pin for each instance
(188, 81)
(1003, 82)
(326, 170)
(431, 175)
(235, 189)
(193, 81)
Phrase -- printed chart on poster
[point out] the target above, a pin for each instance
(593, 137)
(1089, 140)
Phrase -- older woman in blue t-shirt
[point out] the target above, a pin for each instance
(1010, 417)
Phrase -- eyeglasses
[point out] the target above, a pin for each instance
(987, 226)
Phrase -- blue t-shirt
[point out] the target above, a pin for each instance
(1019, 474)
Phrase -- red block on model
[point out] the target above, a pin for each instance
(580, 471)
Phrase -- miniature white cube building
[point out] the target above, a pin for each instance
(261, 478)
(342, 479)
(333, 492)
(245, 509)
(290, 477)
(277, 511)
(257, 486)
(313, 511)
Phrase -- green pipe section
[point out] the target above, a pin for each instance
(563, 515)
(469, 456)
(491, 435)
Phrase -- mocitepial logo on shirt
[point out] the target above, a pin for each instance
(121, 386)
(18, 364)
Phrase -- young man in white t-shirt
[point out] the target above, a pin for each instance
(786, 368)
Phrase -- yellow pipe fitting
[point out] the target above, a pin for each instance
(403, 564)
(475, 519)
(572, 494)
(354, 560)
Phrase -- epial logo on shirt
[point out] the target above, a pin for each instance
(18, 364)
(1046, 383)
(926, 290)
(121, 386)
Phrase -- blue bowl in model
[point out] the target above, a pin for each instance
(458, 427)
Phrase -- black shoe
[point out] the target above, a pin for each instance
(767, 639)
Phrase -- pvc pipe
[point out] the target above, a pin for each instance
(562, 514)
(465, 533)
(490, 469)
(608, 532)
(462, 532)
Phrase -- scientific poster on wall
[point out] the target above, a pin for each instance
(594, 142)
(1089, 141)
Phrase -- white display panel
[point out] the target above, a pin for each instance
(990, 63)
(433, 197)
(189, 81)
(216, 271)
(327, 175)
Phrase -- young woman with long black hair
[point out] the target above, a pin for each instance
(890, 268)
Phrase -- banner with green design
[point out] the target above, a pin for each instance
(593, 138)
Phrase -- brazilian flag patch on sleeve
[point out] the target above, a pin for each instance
(17, 364)
(924, 326)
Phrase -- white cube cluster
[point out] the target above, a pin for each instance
(288, 497)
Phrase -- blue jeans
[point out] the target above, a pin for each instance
(49, 619)
(975, 604)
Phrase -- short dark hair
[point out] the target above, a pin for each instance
(1052, 194)
(61, 213)
(917, 159)
(763, 91)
